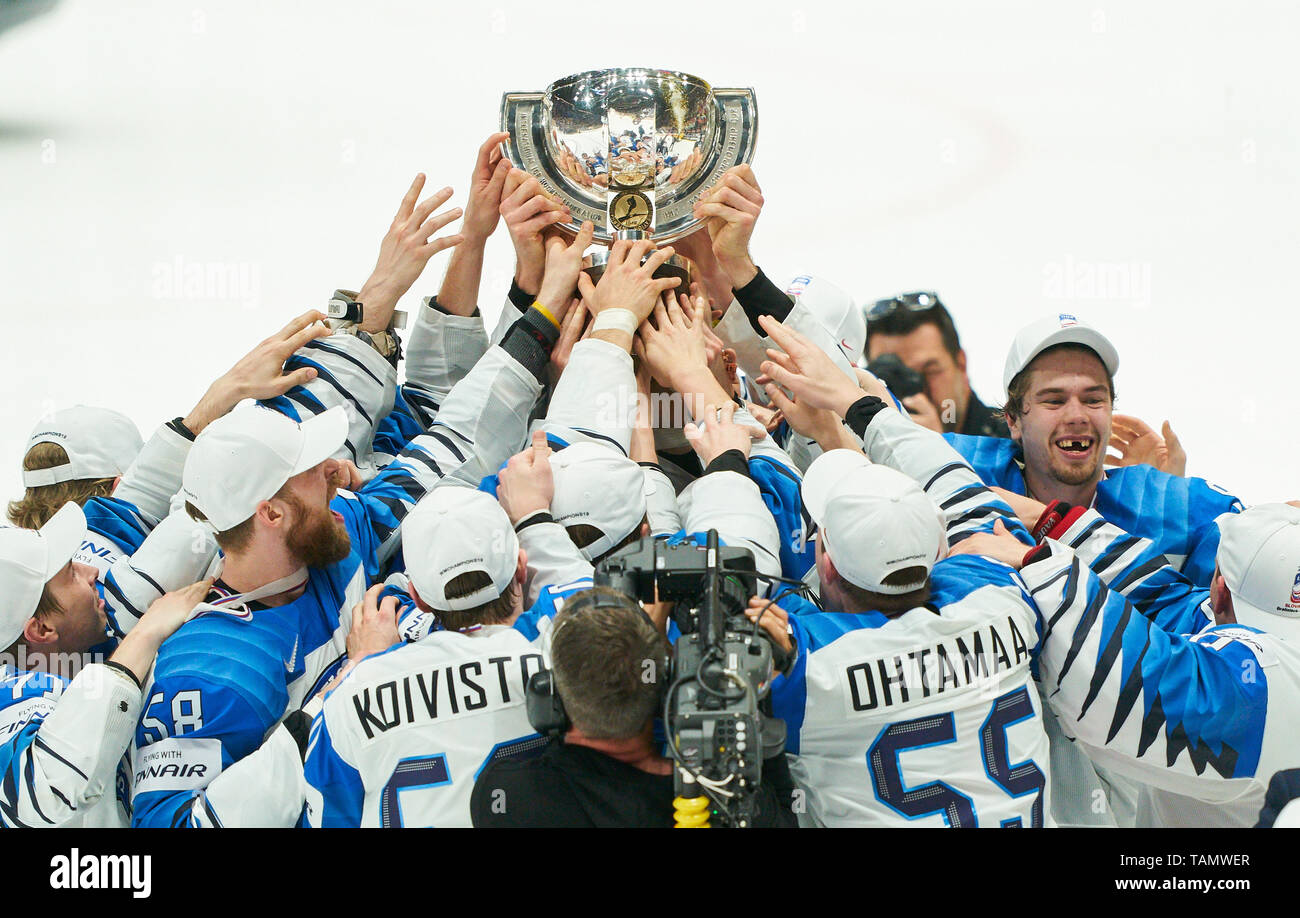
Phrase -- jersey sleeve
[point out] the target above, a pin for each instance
(480, 424)
(778, 483)
(155, 476)
(1178, 514)
(512, 310)
(595, 399)
(263, 790)
(442, 350)
(178, 552)
(731, 503)
(114, 529)
(351, 373)
(1134, 567)
(1181, 713)
(55, 767)
(553, 559)
(336, 792)
(968, 506)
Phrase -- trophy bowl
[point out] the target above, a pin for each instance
(630, 149)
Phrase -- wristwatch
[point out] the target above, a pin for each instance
(345, 314)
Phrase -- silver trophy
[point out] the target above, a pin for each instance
(631, 150)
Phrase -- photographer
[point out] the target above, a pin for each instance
(918, 331)
(605, 771)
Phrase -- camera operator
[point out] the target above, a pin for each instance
(609, 661)
(917, 329)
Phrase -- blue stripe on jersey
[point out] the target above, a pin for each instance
(16, 687)
(117, 520)
(548, 603)
(1192, 695)
(283, 405)
(1158, 591)
(399, 427)
(956, 577)
(323, 374)
(244, 657)
(340, 786)
(779, 487)
(1177, 514)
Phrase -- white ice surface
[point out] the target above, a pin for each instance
(1002, 153)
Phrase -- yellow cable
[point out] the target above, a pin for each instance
(691, 812)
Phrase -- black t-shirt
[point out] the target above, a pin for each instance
(579, 787)
(983, 421)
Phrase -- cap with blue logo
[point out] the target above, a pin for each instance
(1062, 328)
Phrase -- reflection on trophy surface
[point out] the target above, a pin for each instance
(631, 150)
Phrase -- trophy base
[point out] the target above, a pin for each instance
(676, 266)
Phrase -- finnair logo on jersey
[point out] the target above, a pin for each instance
(103, 871)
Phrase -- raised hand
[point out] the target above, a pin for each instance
(260, 372)
(1000, 545)
(675, 343)
(821, 424)
(171, 610)
(563, 264)
(806, 370)
(574, 328)
(526, 484)
(627, 283)
(405, 250)
(374, 625)
(717, 433)
(482, 211)
(1136, 443)
(528, 212)
(731, 209)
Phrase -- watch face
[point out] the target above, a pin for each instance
(630, 210)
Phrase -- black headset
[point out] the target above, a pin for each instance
(542, 701)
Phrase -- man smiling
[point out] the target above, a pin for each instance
(1060, 382)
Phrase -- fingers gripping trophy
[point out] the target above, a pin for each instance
(631, 150)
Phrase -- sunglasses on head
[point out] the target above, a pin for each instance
(904, 302)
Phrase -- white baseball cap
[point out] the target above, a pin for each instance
(600, 487)
(873, 520)
(835, 309)
(1259, 557)
(1061, 328)
(28, 559)
(454, 530)
(244, 458)
(100, 444)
